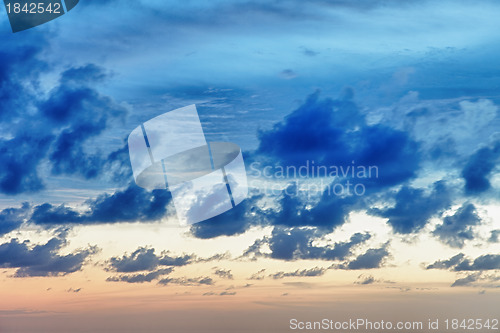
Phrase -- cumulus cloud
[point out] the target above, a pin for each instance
(234, 222)
(414, 207)
(59, 126)
(335, 133)
(12, 218)
(494, 238)
(144, 259)
(457, 228)
(129, 205)
(42, 260)
(466, 281)
(372, 258)
(460, 263)
(479, 168)
(297, 243)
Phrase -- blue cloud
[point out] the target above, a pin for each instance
(460, 263)
(479, 169)
(372, 258)
(42, 260)
(144, 259)
(297, 244)
(12, 218)
(414, 208)
(129, 205)
(457, 228)
(335, 133)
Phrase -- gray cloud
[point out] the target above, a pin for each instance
(316, 271)
(42, 260)
(460, 263)
(372, 258)
(141, 278)
(457, 228)
(197, 281)
(222, 273)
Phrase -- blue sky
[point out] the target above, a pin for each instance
(411, 87)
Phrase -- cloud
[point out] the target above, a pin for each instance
(198, 281)
(234, 222)
(141, 278)
(288, 74)
(335, 133)
(316, 271)
(460, 263)
(372, 258)
(494, 238)
(328, 213)
(414, 208)
(365, 279)
(71, 290)
(467, 281)
(445, 264)
(42, 260)
(144, 259)
(258, 276)
(222, 273)
(479, 169)
(457, 228)
(129, 205)
(297, 243)
(12, 218)
(59, 126)
(224, 293)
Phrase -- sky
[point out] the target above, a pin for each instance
(399, 99)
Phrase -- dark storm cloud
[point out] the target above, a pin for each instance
(414, 208)
(316, 271)
(128, 205)
(335, 133)
(457, 228)
(479, 169)
(42, 260)
(460, 263)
